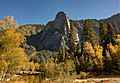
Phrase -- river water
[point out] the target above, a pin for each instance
(26, 79)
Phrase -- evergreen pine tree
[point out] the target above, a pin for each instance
(89, 33)
(107, 35)
(74, 39)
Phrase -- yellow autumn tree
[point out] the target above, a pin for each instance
(114, 52)
(115, 49)
(12, 56)
(99, 64)
(92, 58)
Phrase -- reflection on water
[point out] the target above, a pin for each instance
(26, 79)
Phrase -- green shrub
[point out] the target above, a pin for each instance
(53, 69)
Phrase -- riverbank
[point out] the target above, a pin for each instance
(23, 73)
(36, 77)
(71, 79)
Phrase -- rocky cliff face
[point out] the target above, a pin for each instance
(56, 33)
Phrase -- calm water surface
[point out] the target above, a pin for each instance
(26, 79)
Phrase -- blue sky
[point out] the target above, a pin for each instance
(42, 11)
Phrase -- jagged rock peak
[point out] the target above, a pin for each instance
(61, 20)
(60, 14)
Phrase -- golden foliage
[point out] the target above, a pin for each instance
(2, 22)
(88, 48)
(10, 39)
(95, 51)
(10, 52)
(31, 66)
(92, 56)
(114, 50)
(8, 22)
(98, 51)
(12, 56)
(118, 39)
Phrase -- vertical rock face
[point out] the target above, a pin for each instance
(61, 22)
(54, 35)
